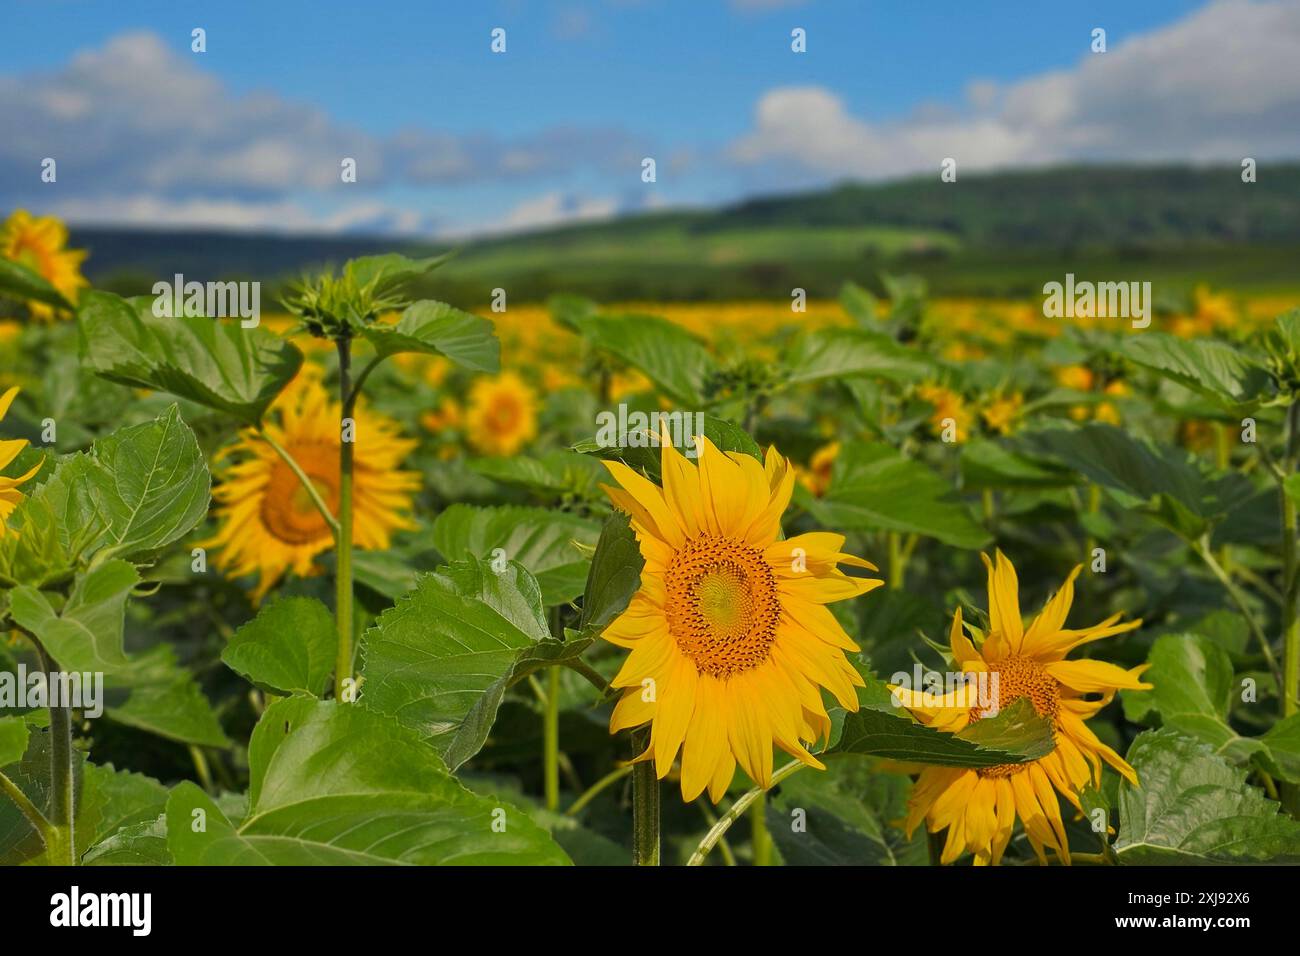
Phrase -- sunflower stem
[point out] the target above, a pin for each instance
(897, 563)
(551, 738)
(736, 811)
(760, 839)
(645, 809)
(1202, 548)
(611, 778)
(60, 838)
(343, 565)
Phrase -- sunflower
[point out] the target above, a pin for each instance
(949, 409)
(980, 807)
(39, 245)
(730, 636)
(817, 476)
(268, 522)
(502, 415)
(10, 496)
(1002, 413)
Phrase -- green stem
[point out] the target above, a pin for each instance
(645, 809)
(1290, 623)
(551, 738)
(343, 566)
(1202, 548)
(597, 788)
(760, 839)
(897, 563)
(61, 839)
(711, 819)
(201, 768)
(735, 812)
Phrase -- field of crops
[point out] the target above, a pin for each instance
(885, 580)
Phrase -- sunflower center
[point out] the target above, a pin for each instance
(722, 605)
(1022, 677)
(287, 509)
(504, 415)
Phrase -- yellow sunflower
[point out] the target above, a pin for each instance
(817, 476)
(949, 409)
(502, 414)
(39, 245)
(1002, 413)
(730, 636)
(268, 523)
(10, 496)
(980, 807)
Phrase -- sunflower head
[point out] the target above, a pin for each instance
(267, 520)
(10, 496)
(950, 411)
(502, 414)
(817, 476)
(979, 808)
(730, 638)
(39, 244)
(1003, 412)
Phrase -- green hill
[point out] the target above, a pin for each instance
(995, 234)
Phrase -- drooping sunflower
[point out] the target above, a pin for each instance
(10, 496)
(502, 414)
(267, 521)
(730, 636)
(38, 243)
(979, 808)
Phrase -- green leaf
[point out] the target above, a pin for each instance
(1193, 807)
(113, 800)
(842, 353)
(19, 282)
(175, 709)
(143, 844)
(615, 574)
(987, 464)
(1017, 734)
(13, 739)
(850, 814)
(390, 269)
(340, 784)
(216, 363)
(542, 541)
(146, 485)
(289, 647)
(669, 355)
(435, 328)
(557, 472)
(86, 634)
(1207, 366)
(1192, 680)
(1171, 484)
(873, 488)
(429, 658)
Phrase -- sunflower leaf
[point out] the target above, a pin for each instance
(873, 488)
(288, 648)
(1015, 735)
(540, 540)
(615, 574)
(435, 328)
(20, 282)
(428, 659)
(1207, 366)
(341, 784)
(214, 362)
(842, 353)
(671, 357)
(1193, 807)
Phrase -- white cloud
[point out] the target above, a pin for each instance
(1220, 84)
(142, 135)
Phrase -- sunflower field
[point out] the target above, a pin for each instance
(888, 580)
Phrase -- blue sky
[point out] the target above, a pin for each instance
(451, 138)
